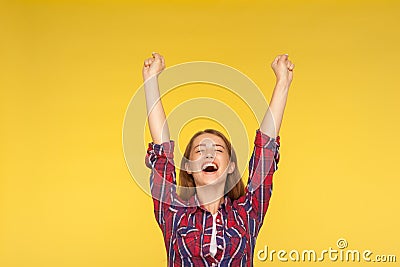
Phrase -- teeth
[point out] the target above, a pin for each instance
(209, 164)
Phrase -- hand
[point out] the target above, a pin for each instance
(153, 66)
(283, 69)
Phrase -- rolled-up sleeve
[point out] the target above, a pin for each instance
(262, 165)
(160, 156)
(160, 159)
(270, 145)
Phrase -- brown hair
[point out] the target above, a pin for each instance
(233, 180)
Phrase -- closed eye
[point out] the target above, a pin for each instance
(218, 150)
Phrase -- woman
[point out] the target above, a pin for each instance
(213, 219)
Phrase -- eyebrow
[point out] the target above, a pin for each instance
(213, 145)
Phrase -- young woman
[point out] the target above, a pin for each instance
(213, 219)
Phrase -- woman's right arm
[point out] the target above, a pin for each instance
(160, 153)
(155, 112)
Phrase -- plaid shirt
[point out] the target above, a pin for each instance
(187, 226)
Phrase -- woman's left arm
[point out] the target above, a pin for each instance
(264, 160)
(283, 69)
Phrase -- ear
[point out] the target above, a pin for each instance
(231, 167)
(187, 168)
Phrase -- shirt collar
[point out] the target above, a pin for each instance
(195, 200)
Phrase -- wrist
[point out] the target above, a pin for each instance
(282, 84)
(150, 78)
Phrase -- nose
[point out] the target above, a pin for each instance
(209, 152)
(209, 156)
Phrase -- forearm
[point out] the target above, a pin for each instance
(155, 112)
(272, 121)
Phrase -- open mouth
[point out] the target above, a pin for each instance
(210, 167)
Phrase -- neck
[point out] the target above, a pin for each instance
(211, 197)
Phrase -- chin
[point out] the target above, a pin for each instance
(208, 179)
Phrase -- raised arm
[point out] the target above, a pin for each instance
(265, 158)
(283, 69)
(155, 112)
(159, 156)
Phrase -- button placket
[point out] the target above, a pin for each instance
(220, 239)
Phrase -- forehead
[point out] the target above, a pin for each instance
(208, 138)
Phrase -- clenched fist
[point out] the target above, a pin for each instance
(153, 66)
(283, 69)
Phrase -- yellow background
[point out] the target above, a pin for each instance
(70, 68)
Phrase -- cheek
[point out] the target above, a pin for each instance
(195, 162)
(224, 160)
(194, 156)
